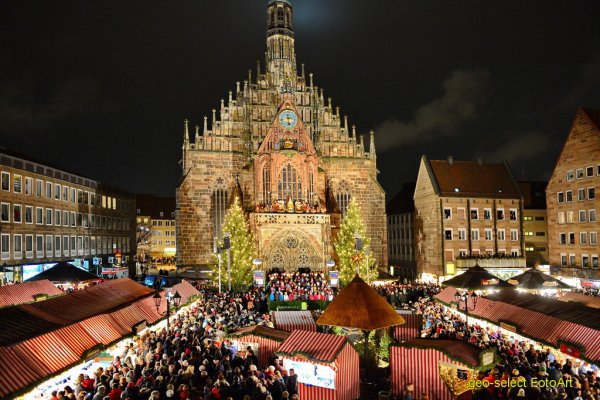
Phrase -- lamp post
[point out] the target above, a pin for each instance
(171, 299)
(227, 246)
(463, 298)
(358, 246)
(257, 262)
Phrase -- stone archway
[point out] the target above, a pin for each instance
(290, 250)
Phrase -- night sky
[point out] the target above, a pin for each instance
(102, 87)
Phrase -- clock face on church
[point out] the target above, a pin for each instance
(288, 119)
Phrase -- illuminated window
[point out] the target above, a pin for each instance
(343, 196)
(288, 184)
(266, 176)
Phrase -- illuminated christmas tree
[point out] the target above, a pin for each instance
(242, 250)
(352, 260)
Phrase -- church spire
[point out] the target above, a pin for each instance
(281, 56)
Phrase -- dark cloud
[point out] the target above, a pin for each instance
(586, 82)
(518, 146)
(25, 109)
(464, 93)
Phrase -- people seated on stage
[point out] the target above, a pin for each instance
(289, 286)
(289, 206)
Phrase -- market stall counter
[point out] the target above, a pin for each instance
(442, 369)
(327, 365)
(263, 341)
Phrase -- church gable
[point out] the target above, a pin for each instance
(287, 132)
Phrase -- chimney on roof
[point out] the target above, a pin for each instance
(450, 160)
(480, 161)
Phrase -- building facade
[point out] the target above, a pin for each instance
(535, 223)
(571, 197)
(467, 213)
(289, 154)
(49, 215)
(401, 233)
(156, 238)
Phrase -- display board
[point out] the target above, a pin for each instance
(312, 374)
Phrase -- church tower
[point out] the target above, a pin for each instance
(280, 55)
(276, 138)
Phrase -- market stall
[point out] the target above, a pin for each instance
(67, 276)
(292, 320)
(444, 370)
(61, 332)
(27, 292)
(262, 340)
(411, 329)
(327, 365)
(568, 327)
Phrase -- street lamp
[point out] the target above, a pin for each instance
(465, 298)
(358, 246)
(171, 300)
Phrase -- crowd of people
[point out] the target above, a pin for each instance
(519, 359)
(289, 286)
(403, 295)
(588, 291)
(195, 360)
(192, 360)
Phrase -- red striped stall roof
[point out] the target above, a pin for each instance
(292, 320)
(332, 350)
(101, 329)
(43, 342)
(542, 319)
(320, 347)
(419, 367)
(268, 340)
(411, 329)
(11, 295)
(18, 375)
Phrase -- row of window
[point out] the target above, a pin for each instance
(584, 216)
(487, 214)
(536, 218)
(585, 238)
(55, 191)
(162, 233)
(585, 260)
(580, 173)
(29, 246)
(582, 195)
(161, 214)
(528, 233)
(487, 234)
(50, 216)
(163, 223)
(475, 252)
(167, 243)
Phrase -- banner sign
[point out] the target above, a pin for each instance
(334, 278)
(111, 260)
(112, 271)
(570, 350)
(259, 278)
(97, 261)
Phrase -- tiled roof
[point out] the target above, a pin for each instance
(474, 179)
(23, 292)
(30, 320)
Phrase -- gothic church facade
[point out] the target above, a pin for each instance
(287, 153)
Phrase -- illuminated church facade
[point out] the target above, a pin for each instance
(291, 158)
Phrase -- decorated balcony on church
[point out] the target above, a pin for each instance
(290, 207)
